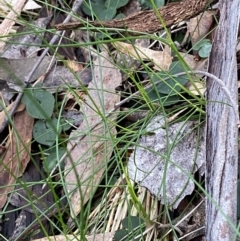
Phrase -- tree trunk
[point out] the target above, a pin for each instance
(222, 128)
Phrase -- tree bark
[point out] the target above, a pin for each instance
(222, 129)
(147, 21)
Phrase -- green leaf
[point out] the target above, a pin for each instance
(132, 222)
(115, 3)
(120, 234)
(159, 3)
(90, 8)
(50, 162)
(201, 43)
(205, 51)
(39, 103)
(134, 226)
(148, 3)
(66, 125)
(44, 132)
(120, 16)
(103, 9)
(106, 14)
(172, 85)
(163, 99)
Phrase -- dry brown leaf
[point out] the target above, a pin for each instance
(95, 237)
(74, 65)
(17, 154)
(3, 113)
(196, 65)
(13, 71)
(3, 116)
(161, 59)
(201, 88)
(199, 26)
(93, 137)
(191, 60)
(20, 107)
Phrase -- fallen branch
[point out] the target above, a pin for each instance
(148, 21)
(222, 129)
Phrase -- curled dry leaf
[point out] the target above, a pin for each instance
(199, 26)
(202, 64)
(165, 160)
(17, 154)
(161, 59)
(93, 140)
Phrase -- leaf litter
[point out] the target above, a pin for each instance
(91, 155)
(168, 175)
(165, 160)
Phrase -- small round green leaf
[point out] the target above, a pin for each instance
(106, 14)
(165, 100)
(148, 3)
(44, 132)
(172, 85)
(103, 10)
(159, 3)
(200, 44)
(90, 8)
(134, 226)
(132, 222)
(115, 3)
(54, 156)
(39, 103)
(120, 234)
(205, 51)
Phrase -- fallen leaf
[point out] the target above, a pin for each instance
(199, 26)
(164, 161)
(88, 158)
(3, 113)
(161, 59)
(61, 78)
(14, 71)
(198, 88)
(74, 65)
(191, 61)
(17, 155)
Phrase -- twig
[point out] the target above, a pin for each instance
(57, 35)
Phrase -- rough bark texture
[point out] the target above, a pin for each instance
(222, 130)
(148, 21)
